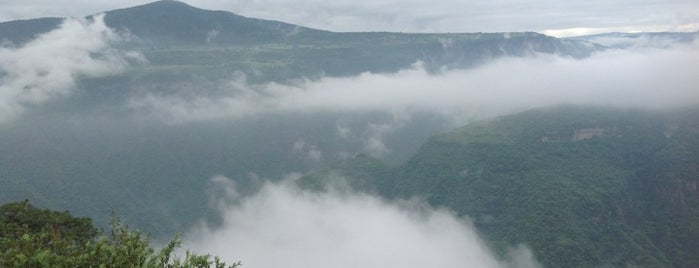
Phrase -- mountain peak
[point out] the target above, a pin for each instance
(160, 8)
(169, 21)
(161, 4)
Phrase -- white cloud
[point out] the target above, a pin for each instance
(375, 133)
(47, 67)
(646, 78)
(580, 31)
(283, 226)
(307, 150)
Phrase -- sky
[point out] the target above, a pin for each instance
(553, 17)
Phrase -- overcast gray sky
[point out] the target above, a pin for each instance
(555, 17)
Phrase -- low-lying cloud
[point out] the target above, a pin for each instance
(644, 78)
(47, 67)
(644, 40)
(284, 226)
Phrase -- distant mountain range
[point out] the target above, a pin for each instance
(172, 33)
(171, 24)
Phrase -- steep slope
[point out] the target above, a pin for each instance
(21, 31)
(583, 187)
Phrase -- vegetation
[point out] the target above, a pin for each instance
(583, 187)
(33, 237)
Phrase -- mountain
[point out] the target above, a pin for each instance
(582, 186)
(174, 34)
(22, 31)
(176, 23)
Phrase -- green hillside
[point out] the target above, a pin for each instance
(583, 187)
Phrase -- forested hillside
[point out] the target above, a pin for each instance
(584, 187)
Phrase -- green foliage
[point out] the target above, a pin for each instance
(33, 237)
(583, 187)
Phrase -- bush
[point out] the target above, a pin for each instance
(34, 237)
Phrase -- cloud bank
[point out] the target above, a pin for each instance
(47, 67)
(283, 226)
(643, 78)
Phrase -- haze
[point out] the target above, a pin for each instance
(560, 18)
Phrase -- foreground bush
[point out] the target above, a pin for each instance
(34, 237)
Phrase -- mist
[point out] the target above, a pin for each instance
(637, 78)
(47, 67)
(282, 225)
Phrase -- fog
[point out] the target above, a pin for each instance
(47, 67)
(640, 78)
(284, 226)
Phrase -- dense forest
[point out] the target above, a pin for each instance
(583, 186)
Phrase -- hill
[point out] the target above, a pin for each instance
(170, 22)
(583, 187)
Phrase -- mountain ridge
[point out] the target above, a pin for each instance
(166, 11)
(170, 20)
(213, 44)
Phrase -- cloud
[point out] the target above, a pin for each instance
(644, 40)
(644, 78)
(47, 67)
(307, 150)
(580, 31)
(284, 226)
